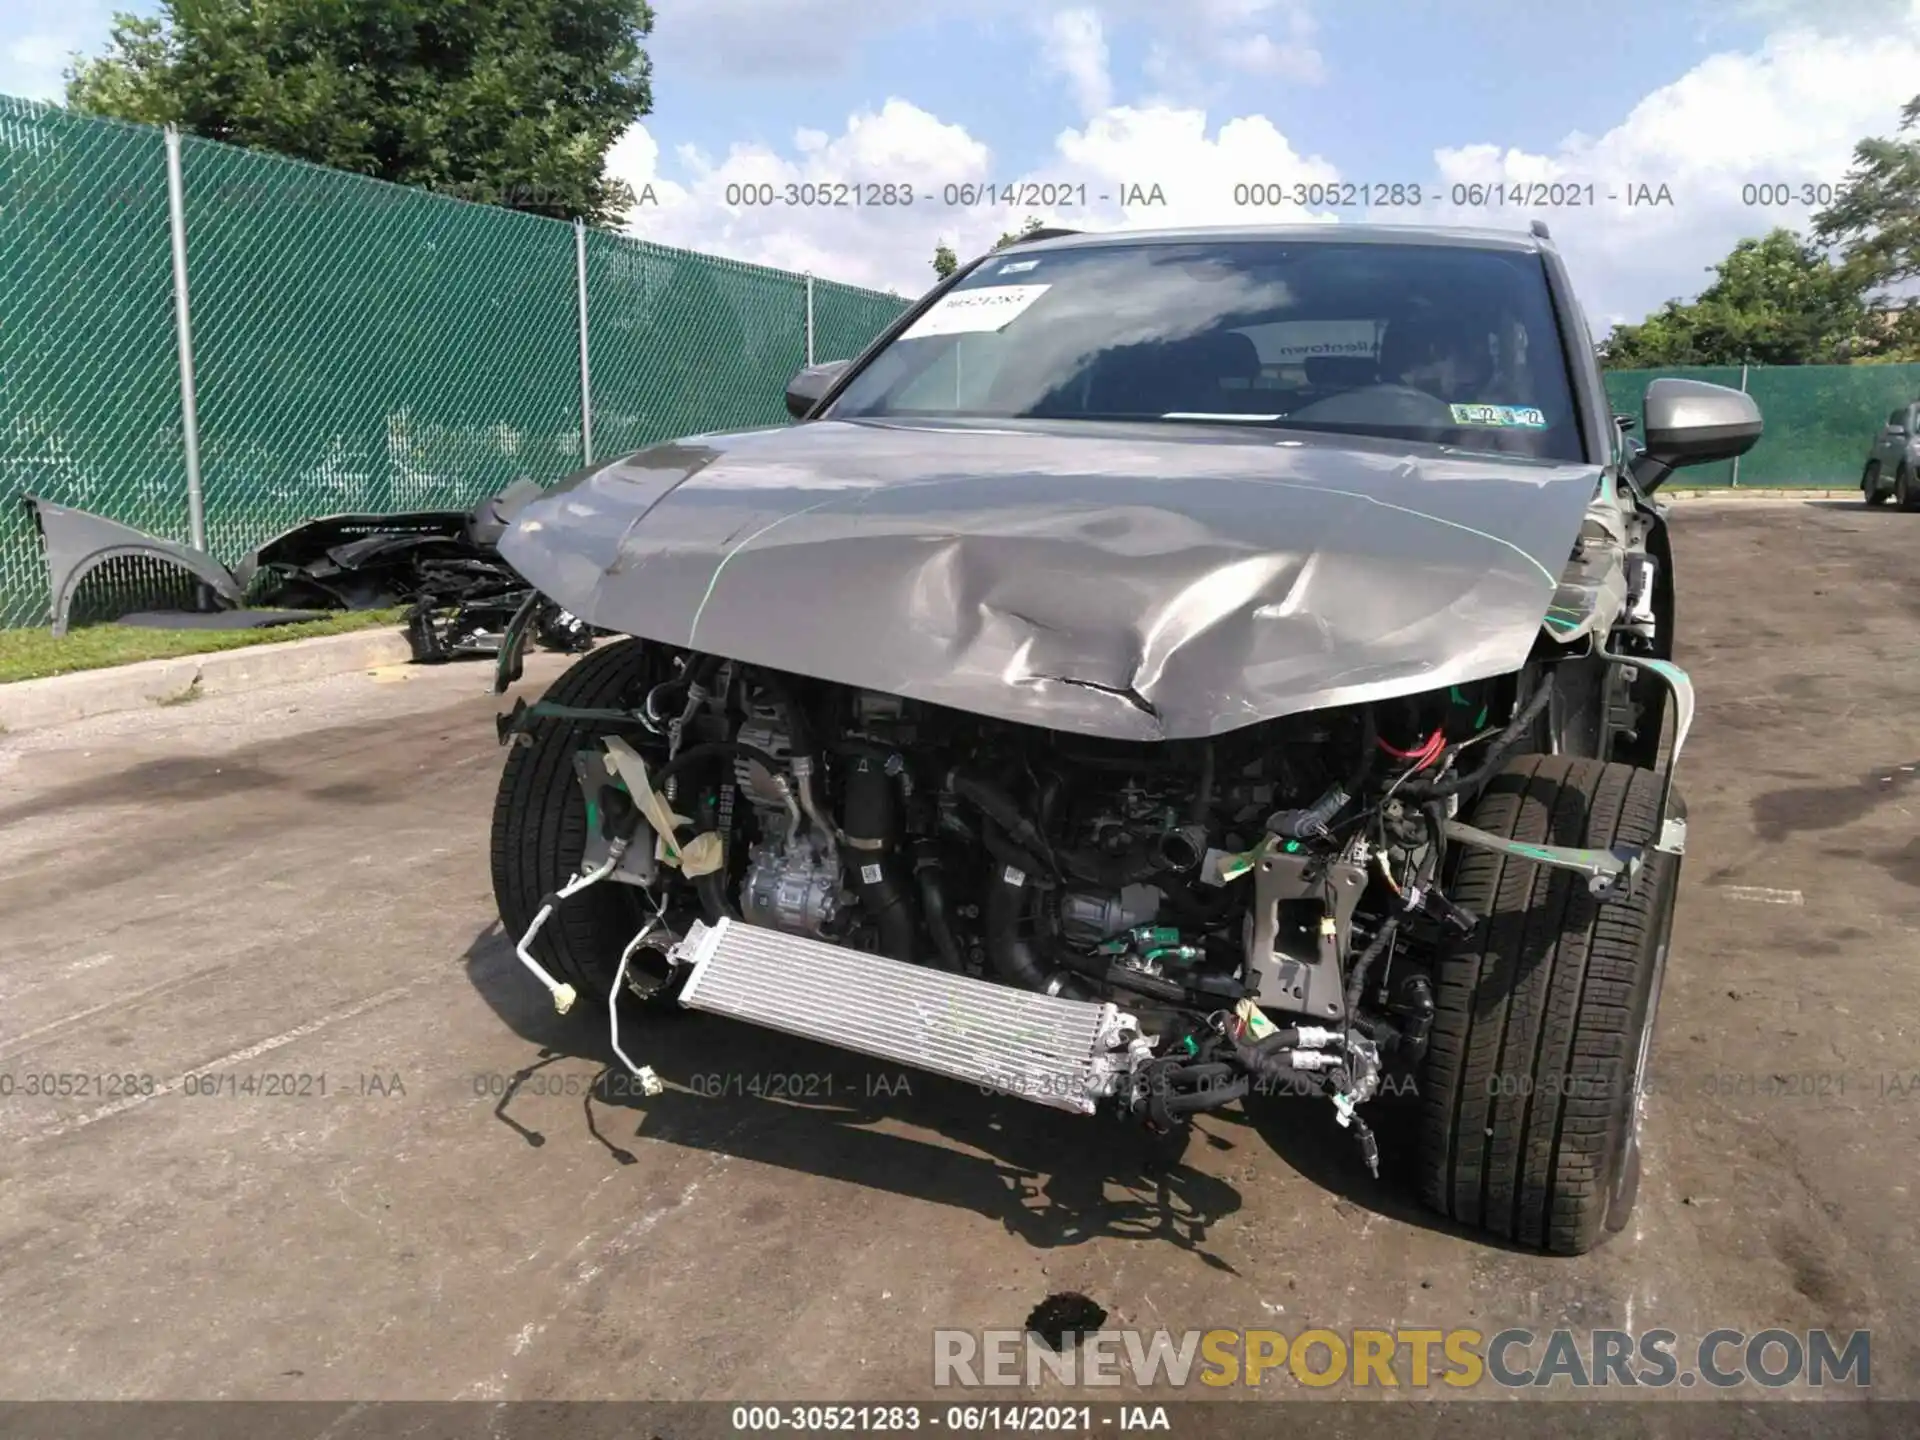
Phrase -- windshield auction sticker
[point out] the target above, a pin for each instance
(989, 307)
(1505, 417)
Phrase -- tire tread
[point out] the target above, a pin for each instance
(1542, 994)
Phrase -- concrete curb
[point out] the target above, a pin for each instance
(1757, 492)
(61, 699)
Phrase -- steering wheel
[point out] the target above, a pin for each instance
(1386, 403)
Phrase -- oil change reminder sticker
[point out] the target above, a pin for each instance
(1506, 417)
(961, 312)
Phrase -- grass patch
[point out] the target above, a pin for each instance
(185, 697)
(31, 654)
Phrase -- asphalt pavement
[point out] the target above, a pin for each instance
(258, 1030)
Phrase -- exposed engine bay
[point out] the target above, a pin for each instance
(1254, 909)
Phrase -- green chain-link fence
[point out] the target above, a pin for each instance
(89, 381)
(357, 346)
(1821, 420)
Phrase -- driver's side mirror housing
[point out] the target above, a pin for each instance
(813, 381)
(1689, 422)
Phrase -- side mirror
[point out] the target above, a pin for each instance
(1690, 422)
(806, 387)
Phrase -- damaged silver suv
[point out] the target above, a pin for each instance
(1163, 668)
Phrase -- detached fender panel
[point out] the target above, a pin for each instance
(79, 542)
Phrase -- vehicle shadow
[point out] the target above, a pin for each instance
(1851, 505)
(1049, 1177)
(1302, 1131)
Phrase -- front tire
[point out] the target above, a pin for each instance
(1905, 491)
(540, 826)
(1544, 1016)
(1870, 484)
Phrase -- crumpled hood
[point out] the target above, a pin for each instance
(1115, 580)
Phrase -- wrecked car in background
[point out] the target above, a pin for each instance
(443, 565)
(1164, 668)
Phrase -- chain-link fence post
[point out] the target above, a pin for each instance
(809, 317)
(586, 369)
(183, 329)
(1743, 390)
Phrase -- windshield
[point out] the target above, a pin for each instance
(1441, 343)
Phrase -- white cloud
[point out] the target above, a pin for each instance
(737, 204)
(1239, 35)
(1856, 17)
(1074, 45)
(39, 38)
(33, 66)
(1788, 113)
(1170, 148)
(1127, 166)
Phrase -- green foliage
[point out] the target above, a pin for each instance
(31, 654)
(1774, 301)
(1826, 298)
(1875, 220)
(505, 102)
(1034, 222)
(945, 262)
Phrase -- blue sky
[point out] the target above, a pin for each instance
(1704, 97)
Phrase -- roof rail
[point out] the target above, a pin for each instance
(1047, 233)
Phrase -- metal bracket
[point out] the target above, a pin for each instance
(1611, 874)
(599, 781)
(1301, 973)
(1671, 832)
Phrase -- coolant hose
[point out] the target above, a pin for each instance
(868, 828)
(712, 750)
(1013, 955)
(933, 903)
(1263, 1056)
(998, 807)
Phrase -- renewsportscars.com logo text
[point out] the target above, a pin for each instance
(1411, 1359)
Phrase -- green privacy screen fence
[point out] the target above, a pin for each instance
(1820, 419)
(356, 346)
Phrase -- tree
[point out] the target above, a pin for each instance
(1875, 218)
(1007, 237)
(945, 262)
(506, 102)
(1774, 301)
(1874, 222)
